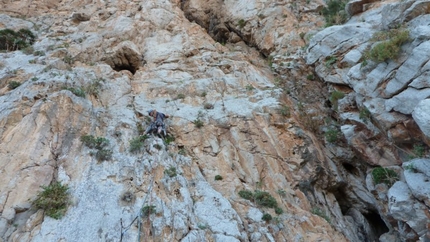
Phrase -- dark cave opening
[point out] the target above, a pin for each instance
(123, 67)
(350, 169)
(376, 223)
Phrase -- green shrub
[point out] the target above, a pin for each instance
(389, 48)
(180, 96)
(335, 96)
(103, 154)
(11, 40)
(264, 199)
(241, 23)
(332, 135)
(266, 217)
(13, 84)
(418, 151)
(278, 210)
(310, 77)
(171, 172)
(136, 144)
(198, 123)
(321, 213)
(53, 199)
(249, 87)
(93, 142)
(282, 193)
(246, 194)
(80, 92)
(98, 143)
(93, 88)
(148, 210)
(384, 175)
(169, 139)
(364, 114)
(218, 178)
(334, 13)
(330, 60)
(285, 111)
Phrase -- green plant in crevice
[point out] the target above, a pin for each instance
(334, 13)
(148, 210)
(241, 23)
(364, 114)
(79, 91)
(332, 135)
(384, 175)
(266, 217)
(198, 123)
(321, 213)
(330, 60)
(334, 98)
(278, 210)
(136, 144)
(98, 143)
(54, 199)
(171, 172)
(389, 45)
(218, 178)
(13, 84)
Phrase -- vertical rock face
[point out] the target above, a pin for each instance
(97, 67)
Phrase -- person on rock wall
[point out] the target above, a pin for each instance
(157, 125)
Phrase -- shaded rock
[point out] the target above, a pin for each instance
(357, 6)
(125, 57)
(80, 17)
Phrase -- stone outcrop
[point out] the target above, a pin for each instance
(97, 67)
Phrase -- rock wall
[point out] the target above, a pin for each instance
(201, 63)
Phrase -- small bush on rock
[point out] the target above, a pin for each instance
(384, 175)
(171, 172)
(148, 210)
(13, 84)
(218, 178)
(53, 199)
(389, 48)
(11, 40)
(266, 217)
(136, 144)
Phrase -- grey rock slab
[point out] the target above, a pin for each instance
(421, 115)
(402, 206)
(418, 179)
(407, 100)
(409, 70)
(337, 39)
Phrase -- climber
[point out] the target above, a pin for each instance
(157, 124)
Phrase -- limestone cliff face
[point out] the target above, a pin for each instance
(132, 56)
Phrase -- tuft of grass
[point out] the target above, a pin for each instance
(332, 135)
(218, 178)
(94, 142)
(249, 87)
(241, 23)
(80, 92)
(180, 96)
(335, 96)
(418, 151)
(136, 144)
(171, 172)
(330, 60)
(364, 114)
(98, 143)
(93, 88)
(168, 139)
(384, 175)
(321, 213)
(246, 194)
(310, 77)
(198, 123)
(282, 193)
(13, 84)
(148, 210)
(278, 210)
(53, 199)
(264, 199)
(284, 111)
